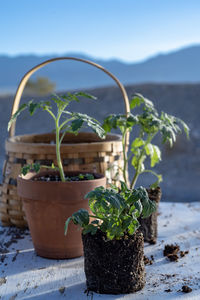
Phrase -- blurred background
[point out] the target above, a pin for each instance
(153, 47)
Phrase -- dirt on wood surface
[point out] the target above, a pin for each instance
(10, 236)
(173, 252)
(148, 261)
(186, 289)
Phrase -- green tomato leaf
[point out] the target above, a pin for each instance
(133, 226)
(138, 206)
(156, 157)
(157, 182)
(185, 127)
(25, 169)
(90, 228)
(76, 125)
(83, 94)
(66, 225)
(81, 217)
(138, 142)
(90, 122)
(36, 167)
(149, 149)
(18, 112)
(135, 101)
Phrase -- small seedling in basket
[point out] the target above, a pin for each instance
(64, 121)
(149, 123)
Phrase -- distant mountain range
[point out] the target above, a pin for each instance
(175, 67)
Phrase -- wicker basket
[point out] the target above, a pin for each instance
(84, 152)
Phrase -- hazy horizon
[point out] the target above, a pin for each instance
(127, 30)
(55, 54)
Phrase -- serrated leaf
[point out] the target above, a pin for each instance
(156, 157)
(134, 162)
(86, 95)
(36, 167)
(66, 225)
(133, 226)
(135, 101)
(124, 187)
(25, 169)
(138, 206)
(138, 142)
(148, 206)
(138, 99)
(91, 122)
(81, 217)
(14, 117)
(90, 229)
(185, 127)
(157, 182)
(76, 125)
(149, 149)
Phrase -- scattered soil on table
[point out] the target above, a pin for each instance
(168, 291)
(10, 236)
(14, 257)
(183, 253)
(186, 289)
(62, 289)
(173, 253)
(2, 280)
(148, 261)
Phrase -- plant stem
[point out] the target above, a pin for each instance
(135, 177)
(137, 173)
(62, 175)
(124, 157)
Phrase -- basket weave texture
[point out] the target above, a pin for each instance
(84, 152)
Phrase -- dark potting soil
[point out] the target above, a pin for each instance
(114, 267)
(186, 289)
(148, 261)
(173, 253)
(80, 177)
(148, 226)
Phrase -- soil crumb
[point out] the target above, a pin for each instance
(168, 291)
(173, 253)
(2, 280)
(171, 249)
(186, 289)
(62, 289)
(148, 261)
(183, 253)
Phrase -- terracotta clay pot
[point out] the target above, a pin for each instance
(149, 226)
(114, 266)
(47, 206)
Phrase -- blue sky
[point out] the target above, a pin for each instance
(130, 30)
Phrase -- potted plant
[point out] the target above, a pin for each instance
(113, 247)
(149, 123)
(52, 194)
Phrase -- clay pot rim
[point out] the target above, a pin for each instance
(30, 175)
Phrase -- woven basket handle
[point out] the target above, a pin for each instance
(24, 80)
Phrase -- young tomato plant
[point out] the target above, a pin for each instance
(64, 121)
(114, 213)
(150, 123)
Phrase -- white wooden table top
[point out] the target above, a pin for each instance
(23, 275)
